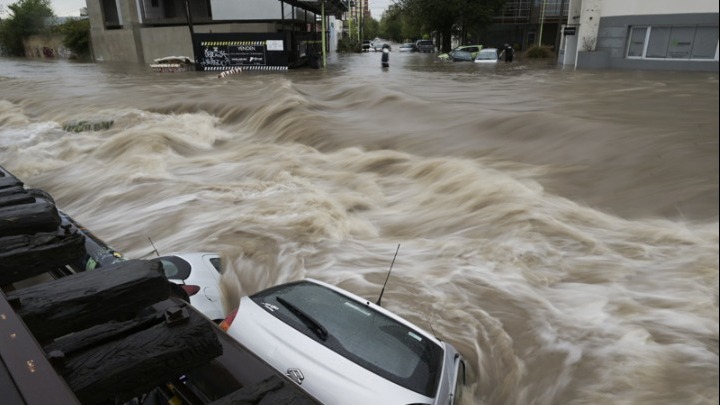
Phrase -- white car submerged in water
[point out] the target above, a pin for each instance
(487, 56)
(343, 349)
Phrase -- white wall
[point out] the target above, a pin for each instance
(255, 10)
(634, 7)
(590, 12)
(247, 9)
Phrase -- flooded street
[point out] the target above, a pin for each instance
(559, 227)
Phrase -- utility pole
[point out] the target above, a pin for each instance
(322, 12)
(362, 20)
(542, 21)
(561, 21)
(188, 17)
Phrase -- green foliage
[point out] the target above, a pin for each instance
(539, 52)
(448, 17)
(348, 45)
(372, 28)
(76, 36)
(27, 17)
(391, 24)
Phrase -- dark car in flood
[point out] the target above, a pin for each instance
(408, 47)
(425, 45)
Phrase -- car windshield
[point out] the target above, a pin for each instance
(357, 332)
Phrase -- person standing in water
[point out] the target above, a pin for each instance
(385, 56)
(508, 51)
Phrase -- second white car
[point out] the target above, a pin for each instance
(198, 273)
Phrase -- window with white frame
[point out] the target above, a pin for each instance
(673, 42)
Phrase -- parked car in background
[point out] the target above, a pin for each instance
(473, 50)
(487, 55)
(408, 47)
(343, 349)
(198, 274)
(366, 45)
(425, 45)
(379, 45)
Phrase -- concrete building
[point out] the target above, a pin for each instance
(357, 16)
(221, 33)
(641, 34)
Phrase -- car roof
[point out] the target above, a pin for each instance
(258, 334)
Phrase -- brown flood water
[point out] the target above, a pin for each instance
(560, 228)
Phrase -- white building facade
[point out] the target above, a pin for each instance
(641, 34)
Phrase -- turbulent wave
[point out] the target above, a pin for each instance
(569, 252)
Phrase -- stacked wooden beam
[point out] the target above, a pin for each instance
(112, 333)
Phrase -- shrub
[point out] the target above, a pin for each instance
(539, 52)
(27, 17)
(348, 45)
(76, 36)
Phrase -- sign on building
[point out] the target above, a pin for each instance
(220, 52)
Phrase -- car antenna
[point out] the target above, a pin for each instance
(154, 248)
(388, 276)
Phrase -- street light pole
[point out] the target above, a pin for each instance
(188, 16)
(542, 21)
(322, 12)
(561, 21)
(362, 20)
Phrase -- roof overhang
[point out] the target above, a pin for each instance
(332, 7)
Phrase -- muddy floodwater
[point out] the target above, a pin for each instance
(559, 227)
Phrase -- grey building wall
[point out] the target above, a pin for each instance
(159, 42)
(612, 39)
(114, 45)
(135, 43)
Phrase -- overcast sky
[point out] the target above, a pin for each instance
(377, 7)
(62, 8)
(66, 8)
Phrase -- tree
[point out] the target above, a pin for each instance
(76, 36)
(391, 24)
(449, 17)
(27, 17)
(372, 28)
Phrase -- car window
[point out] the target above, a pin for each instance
(357, 332)
(462, 55)
(215, 261)
(460, 382)
(174, 267)
(483, 55)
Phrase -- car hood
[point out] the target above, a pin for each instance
(328, 376)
